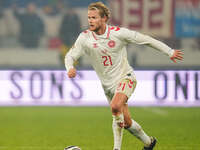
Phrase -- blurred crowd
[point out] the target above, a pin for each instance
(54, 25)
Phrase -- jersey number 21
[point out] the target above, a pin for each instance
(107, 61)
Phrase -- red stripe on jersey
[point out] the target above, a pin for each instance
(117, 29)
(108, 34)
(112, 28)
(94, 36)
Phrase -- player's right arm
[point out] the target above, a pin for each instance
(74, 53)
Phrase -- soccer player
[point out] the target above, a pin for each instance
(106, 47)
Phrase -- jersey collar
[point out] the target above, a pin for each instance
(103, 36)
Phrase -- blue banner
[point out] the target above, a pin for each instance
(187, 18)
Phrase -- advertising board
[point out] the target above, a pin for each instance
(154, 88)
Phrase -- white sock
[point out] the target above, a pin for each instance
(137, 131)
(117, 131)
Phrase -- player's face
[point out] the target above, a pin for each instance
(96, 22)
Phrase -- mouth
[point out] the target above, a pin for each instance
(91, 27)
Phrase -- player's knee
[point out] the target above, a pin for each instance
(115, 108)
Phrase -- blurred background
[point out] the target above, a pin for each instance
(37, 34)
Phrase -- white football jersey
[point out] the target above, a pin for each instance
(108, 54)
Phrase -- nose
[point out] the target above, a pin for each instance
(89, 20)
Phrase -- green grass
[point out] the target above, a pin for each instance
(53, 128)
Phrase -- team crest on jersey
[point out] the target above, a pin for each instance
(111, 43)
(95, 45)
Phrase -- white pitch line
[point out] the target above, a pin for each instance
(158, 111)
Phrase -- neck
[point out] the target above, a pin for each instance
(101, 30)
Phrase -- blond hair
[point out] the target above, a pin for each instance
(103, 9)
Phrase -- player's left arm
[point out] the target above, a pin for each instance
(158, 45)
(142, 39)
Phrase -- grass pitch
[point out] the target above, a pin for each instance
(53, 128)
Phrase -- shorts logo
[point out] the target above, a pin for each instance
(111, 43)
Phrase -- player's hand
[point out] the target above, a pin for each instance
(177, 55)
(71, 73)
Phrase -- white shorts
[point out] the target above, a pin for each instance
(126, 86)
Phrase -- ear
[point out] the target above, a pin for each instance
(105, 19)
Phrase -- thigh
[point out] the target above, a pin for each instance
(119, 99)
(109, 95)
